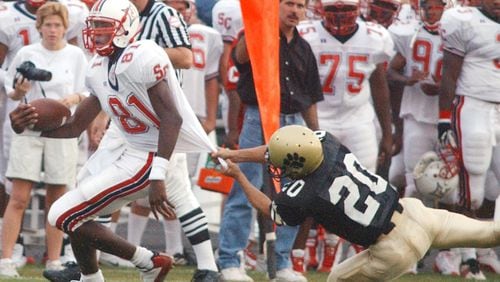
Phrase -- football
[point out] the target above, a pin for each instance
(51, 114)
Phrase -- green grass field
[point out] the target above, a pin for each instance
(183, 274)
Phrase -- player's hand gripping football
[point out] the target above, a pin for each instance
(22, 117)
(158, 200)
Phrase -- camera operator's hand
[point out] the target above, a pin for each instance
(22, 117)
(21, 87)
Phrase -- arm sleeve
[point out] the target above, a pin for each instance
(386, 51)
(315, 88)
(452, 32)
(213, 56)
(173, 29)
(286, 215)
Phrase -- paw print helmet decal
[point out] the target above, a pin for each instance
(294, 151)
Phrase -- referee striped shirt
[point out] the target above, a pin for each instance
(165, 26)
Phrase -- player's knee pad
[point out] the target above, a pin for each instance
(476, 151)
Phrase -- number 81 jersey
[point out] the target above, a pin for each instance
(341, 195)
(122, 90)
(345, 68)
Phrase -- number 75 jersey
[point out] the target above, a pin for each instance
(345, 68)
(341, 195)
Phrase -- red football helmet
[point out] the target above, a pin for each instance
(383, 11)
(111, 24)
(339, 16)
(431, 12)
(36, 3)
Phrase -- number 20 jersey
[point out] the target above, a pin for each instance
(345, 68)
(341, 195)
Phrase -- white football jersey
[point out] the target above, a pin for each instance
(124, 97)
(206, 45)
(227, 19)
(423, 51)
(18, 27)
(345, 68)
(469, 33)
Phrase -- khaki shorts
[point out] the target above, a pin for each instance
(30, 156)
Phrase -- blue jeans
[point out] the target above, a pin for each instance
(237, 215)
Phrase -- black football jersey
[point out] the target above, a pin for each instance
(341, 195)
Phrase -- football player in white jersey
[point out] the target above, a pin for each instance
(351, 55)
(136, 85)
(417, 65)
(469, 99)
(382, 12)
(227, 20)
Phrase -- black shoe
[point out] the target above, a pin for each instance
(206, 276)
(70, 273)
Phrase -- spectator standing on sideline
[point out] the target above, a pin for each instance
(300, 91)
(30, 155)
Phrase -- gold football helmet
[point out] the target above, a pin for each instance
(294, 151)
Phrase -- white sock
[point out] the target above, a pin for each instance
(138, 222)
(94, 277)
(173, 236)
(205, 256)
(142, 258)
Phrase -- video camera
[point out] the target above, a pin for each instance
(30, 72)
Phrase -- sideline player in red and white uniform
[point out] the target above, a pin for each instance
(228, 21)
(351, 55)
(136, 85)
(469, 98)
(417, 65)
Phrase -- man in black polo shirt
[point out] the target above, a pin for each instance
(300, 91)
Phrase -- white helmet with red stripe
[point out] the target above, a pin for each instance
(339, 16)
(432, 179)
(111, 24)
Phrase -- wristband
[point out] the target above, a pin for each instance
(158, 168)
(444, 115)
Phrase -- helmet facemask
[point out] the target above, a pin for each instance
(111, 24)
(99, 35)
(383, 11)
(340, 18)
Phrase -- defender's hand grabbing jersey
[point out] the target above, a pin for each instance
(340, 195)
(468, 33)
(345, 68)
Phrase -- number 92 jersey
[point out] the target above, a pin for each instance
(123, 90)
(467, 32)
(341, 195)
